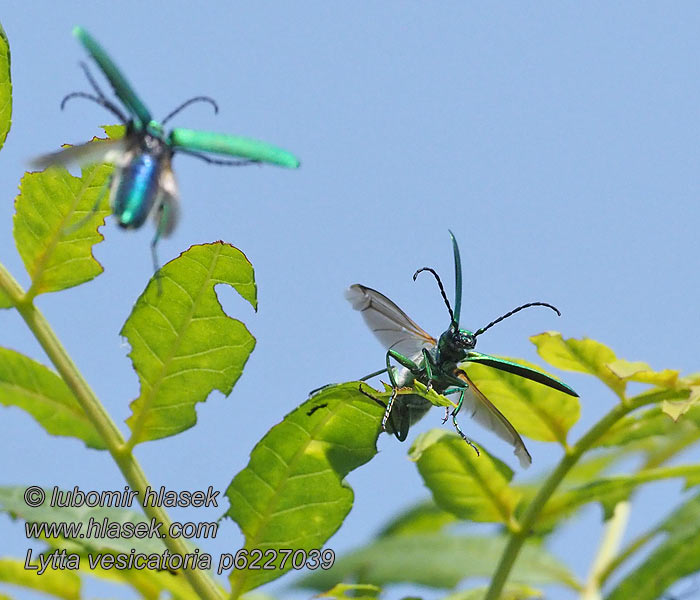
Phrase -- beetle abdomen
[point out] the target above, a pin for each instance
(135, 189)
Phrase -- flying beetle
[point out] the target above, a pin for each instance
(143, 182)
(436, 363)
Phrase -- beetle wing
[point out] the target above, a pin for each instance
(121, 86)
(231, 145)
(392, 327)
(167, 202)
(95, 152)
(486, 414)
(520, 370)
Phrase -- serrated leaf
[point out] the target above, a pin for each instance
(582, 356)
(609, 491)
(535, 410)
(183, 345)
(31, 386)
(675, 409)
(471, 487)
(675, 558)
(641, 372)
(438, 561)
(5, 88)
(425, 517)
(49, 205)
(292, 493)
(56, 582)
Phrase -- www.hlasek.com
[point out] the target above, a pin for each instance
(106, 529)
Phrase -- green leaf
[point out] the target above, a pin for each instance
(609, 491)
(12, 502)
(49, 205)
(5, 88)
(425, 517)
(641, 372)
(535, 410)
(39, 391)
(511, 591)
(594, 358)
(351, 591)
(675, 409)
(653, 422)
(183, 345)
(676, 557)
(59, 583)
(471, 487)
(438, 560)
(292, 493)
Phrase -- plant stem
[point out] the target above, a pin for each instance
(614, 530)
(517, 539)
(127, 463)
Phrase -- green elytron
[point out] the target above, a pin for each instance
(143, 182)
(436, 363)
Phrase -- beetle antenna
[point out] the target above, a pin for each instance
(442, 289)
(515, 310)
(186, 103)
(98, 100)
(220, 161)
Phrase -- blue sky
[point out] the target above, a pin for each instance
(558, 141)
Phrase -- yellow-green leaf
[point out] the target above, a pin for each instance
(351, 591)
(535, 410)
(471, 487)
(511, 591)
(425, 517)
(583, 356)
(39, 391)
(292, 493)
(641, 372)
(49, 207)
(676, 408)
(5, 88)
(55, 582)
(183, 345)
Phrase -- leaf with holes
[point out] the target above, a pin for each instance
(471, 487)
(31, 386)
(49, 205)
(183, 345)
(5, 88)
(535, 410)
(292, 494)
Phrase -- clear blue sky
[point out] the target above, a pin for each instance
(559, 142)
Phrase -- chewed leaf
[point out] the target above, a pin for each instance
(183, 345)
(675, 409)
(292, 493)
(39, 391)
(49, 207)
(471, 487)
(5, 88)
(643, 373)
(535, 410)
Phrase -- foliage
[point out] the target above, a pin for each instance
(293, 493)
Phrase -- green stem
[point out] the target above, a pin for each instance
(517, 539)
(614, 530)
(127, 463)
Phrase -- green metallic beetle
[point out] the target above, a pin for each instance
(143, 182)
(436, 363)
